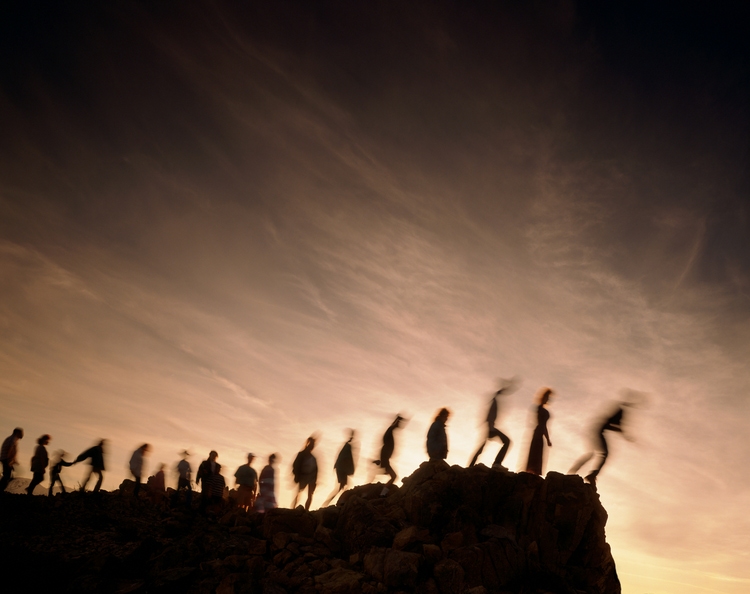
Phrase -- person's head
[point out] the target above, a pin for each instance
(544, 396)
(350, 433)
(250, 458)
(18, 433)
(272, 459)
(44, 439)
(102, 443)
(397, 421)
(443, 415)
(310, 444)
(162, 466)
(212, 455)
(184, 454)
(145, 448)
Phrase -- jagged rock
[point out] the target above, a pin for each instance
(449, 576)
(339, 581)
(291, 521)
(448, 529)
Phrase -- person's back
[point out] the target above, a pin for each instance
(437, 438)
(184, 470)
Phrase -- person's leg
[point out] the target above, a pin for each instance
(7, 476)
(86, 482)
(580, 462)
(99, 481)
(137, 488)
(603, 453)
(37, 478)
(504, 450)
(310, 492)
(477, 453)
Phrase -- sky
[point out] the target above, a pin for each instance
(229, 226)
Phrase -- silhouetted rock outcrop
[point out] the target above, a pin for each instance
(448, 529)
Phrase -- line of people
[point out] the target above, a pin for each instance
(258, 492)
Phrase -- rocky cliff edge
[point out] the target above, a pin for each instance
(447, 529)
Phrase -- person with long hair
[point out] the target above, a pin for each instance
(536, 450)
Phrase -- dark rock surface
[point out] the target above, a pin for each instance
(448, 529)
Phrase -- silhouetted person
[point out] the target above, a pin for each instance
(493, 432)
(157, 485)
(136, 466)
(599, 447)
(96, 454)
(344, 467)
(39, 463)
(8, 455)
(305, 471)
(267, 497)
(536, 450)
(184, 478)
(386, 452)
(246, 480)
(207, 472)
(437, 438)
(55, 469)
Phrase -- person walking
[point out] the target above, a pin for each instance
(611, 422)
(55, 469)
(136, 466)
(39, 463)
(386, 452)
(508, 386)
(8, 455)
(96, 455)
(437, 438)
(344, 468)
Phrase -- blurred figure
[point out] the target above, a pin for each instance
(55, 469)
(96, 454)
(536, 450)
(267, 498)
(157, 486)
(184, 479)
(437, 438)
(387, 451)
(39, 463)
(136, 466)
(344, 467)
(507, 387)
(8, 455)
(305, 471)
(247, 481)
(207, 471)
(612, 421)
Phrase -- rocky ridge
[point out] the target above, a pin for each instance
(448, 529)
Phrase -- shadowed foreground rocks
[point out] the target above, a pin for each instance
(448, 529)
